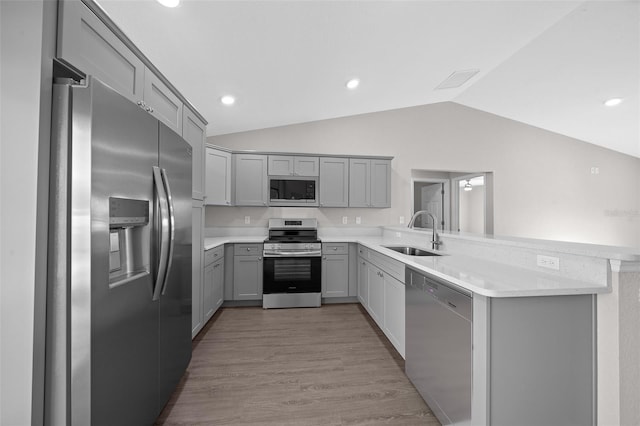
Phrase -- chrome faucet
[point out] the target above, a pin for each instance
(435, 239)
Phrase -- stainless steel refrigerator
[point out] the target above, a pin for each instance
(119, 288)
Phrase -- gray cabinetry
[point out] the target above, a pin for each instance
(382, 293)
(293, 165)
(335, 270)
(334, 182)
(197, 267)
(394, 315)
(161, 102)
(250, 178)
(369, 183)
(247, 272)
(213, 282)
(87, 44)
(93, 45)
(194, 132)
(359, 182)
(217, 177)
(363, 282)
(380, 183)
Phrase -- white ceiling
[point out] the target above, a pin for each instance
(550, 64)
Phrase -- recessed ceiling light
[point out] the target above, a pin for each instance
(353, 83)
(169, 3)
(612, 102)
(228, 100)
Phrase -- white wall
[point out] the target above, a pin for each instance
(543, 186)
(23, 209)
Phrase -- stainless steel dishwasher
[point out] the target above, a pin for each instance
(438, 345)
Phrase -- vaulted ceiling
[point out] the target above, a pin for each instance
(550, 64)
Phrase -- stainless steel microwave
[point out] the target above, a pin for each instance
(295, 191)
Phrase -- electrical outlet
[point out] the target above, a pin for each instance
(548, 262)
(358, 220)
(401, 220)
(344, 220)
(247, 220)
(595, 170)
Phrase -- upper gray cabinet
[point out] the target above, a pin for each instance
(86, 43)
(217, 177)
(194, 132)
(334, 182)
(161, 102)
(92, 44)
(293, 165)
(369, 182)
(250, 178)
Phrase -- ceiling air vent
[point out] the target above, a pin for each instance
(457, 79)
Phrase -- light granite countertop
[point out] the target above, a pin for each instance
(480, 276)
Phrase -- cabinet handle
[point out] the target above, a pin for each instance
(259, 258)
(140, 103)
(216, 265)
(324, 257)
(335, 248)
(148, 109)
(151, 110)
(248, 249)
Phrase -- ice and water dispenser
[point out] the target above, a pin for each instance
(129, 238)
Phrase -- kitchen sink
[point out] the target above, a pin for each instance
(412, 251)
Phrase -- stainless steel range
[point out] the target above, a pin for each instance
(292, 264)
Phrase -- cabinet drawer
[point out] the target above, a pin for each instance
(247, 250)
(387, 264)
(335, 248)
(213, 254)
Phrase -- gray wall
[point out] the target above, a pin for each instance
(543, 186)
(27, 43)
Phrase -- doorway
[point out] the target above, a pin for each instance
(433, 196)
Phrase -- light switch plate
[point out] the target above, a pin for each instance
(247, 220)
(344, 220)
(358, 220)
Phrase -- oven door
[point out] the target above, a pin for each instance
(292, 274)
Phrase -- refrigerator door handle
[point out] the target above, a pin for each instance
(172, 227)
(164, 232)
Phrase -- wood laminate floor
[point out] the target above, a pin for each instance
(314, 366)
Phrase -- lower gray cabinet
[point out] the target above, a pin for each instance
(213, 283)
(375, 305)
(335, 270)
(363, 282)
(247, 272)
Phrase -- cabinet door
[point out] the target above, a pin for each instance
(394, 312)
(217, 177)
(359, 182)
(86, 43)
(250, 179)
(306, 166)
(334, 182)
(194, 132)
(161, 102)
(380, 183)
(280, 165)
(247, 277)
(196, 269)
(208, 304)
(218, 284)
(376, 294)
(335, 275)
(363, 282)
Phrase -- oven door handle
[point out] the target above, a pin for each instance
(315, 253)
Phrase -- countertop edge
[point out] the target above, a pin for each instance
(587, 288)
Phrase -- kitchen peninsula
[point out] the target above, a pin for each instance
(542, 322)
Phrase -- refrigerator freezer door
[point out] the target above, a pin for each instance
(175, 300)
(114, 327)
